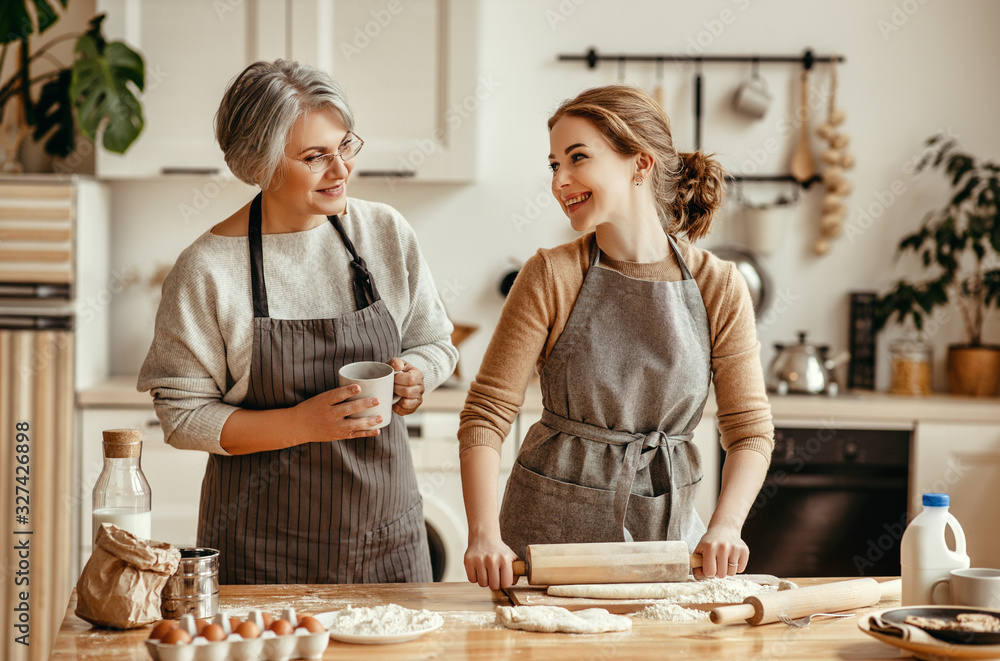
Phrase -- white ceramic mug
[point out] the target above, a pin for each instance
(970, 587)
(375, 380)
(752, 97)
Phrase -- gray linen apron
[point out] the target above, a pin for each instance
(344, 511)
(625, 385)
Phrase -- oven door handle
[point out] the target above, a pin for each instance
(834, 481)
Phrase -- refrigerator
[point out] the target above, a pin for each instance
(53, 340)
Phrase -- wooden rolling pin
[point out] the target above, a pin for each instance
(828, 598)
(607, 562)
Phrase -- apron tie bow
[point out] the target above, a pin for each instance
(639, 453)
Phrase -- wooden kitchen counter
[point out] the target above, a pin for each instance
(468, 632)
(855, 405)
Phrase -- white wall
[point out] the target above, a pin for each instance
(898, 86)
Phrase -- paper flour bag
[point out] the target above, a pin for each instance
(121, 584)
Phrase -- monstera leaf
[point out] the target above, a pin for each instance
(104, 75)
(96, 93)
(17, 23)
(53, 117)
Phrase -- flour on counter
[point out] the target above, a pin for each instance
(729, 590)
(386, 620)
(284, 596)
(672, 613)
(473, 620)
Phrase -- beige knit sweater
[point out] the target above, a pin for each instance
(198, 365)
(540, 302)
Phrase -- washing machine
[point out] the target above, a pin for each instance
(434, 444)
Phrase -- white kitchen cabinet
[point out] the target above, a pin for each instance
(192, 49)
(408, 67)
(409, 70)
(963, 461)
(174, 475)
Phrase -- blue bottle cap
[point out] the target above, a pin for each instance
(936, 500)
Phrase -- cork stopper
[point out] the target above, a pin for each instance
(122, 443)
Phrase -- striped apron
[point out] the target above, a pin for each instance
(344, 511)
(612, 457)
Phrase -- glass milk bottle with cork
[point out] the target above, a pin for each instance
(925, 557)
(122, 495)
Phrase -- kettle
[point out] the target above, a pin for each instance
(803, 368)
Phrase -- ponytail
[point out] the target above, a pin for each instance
(701, 184)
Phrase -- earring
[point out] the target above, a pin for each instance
(637, 181)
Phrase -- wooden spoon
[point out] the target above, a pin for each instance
(803, 166)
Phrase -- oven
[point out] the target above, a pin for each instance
(833, 503)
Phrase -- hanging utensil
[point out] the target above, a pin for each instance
(803, 166)
(658, 90)
(757, 277)
(766, 223)
(752, 97)
(697, 106)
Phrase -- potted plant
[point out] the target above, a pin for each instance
(95, 93)
(959, 245)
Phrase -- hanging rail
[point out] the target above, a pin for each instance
(807, 59)
(773, 178)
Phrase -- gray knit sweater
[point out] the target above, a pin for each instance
(198, 366)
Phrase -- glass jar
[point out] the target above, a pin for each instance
(122, 495)
(910, 367)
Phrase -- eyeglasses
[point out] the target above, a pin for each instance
(349, 148)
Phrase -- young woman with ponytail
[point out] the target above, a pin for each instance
(627, 326)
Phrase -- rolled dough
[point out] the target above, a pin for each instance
(626, 590)
(715, 590)
(552, 619)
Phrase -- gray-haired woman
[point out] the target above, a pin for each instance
(257, 317)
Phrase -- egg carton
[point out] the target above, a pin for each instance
(268, 646)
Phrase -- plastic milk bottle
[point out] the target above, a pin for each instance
(925, 556)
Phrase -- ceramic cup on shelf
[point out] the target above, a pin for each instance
(375, 380)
